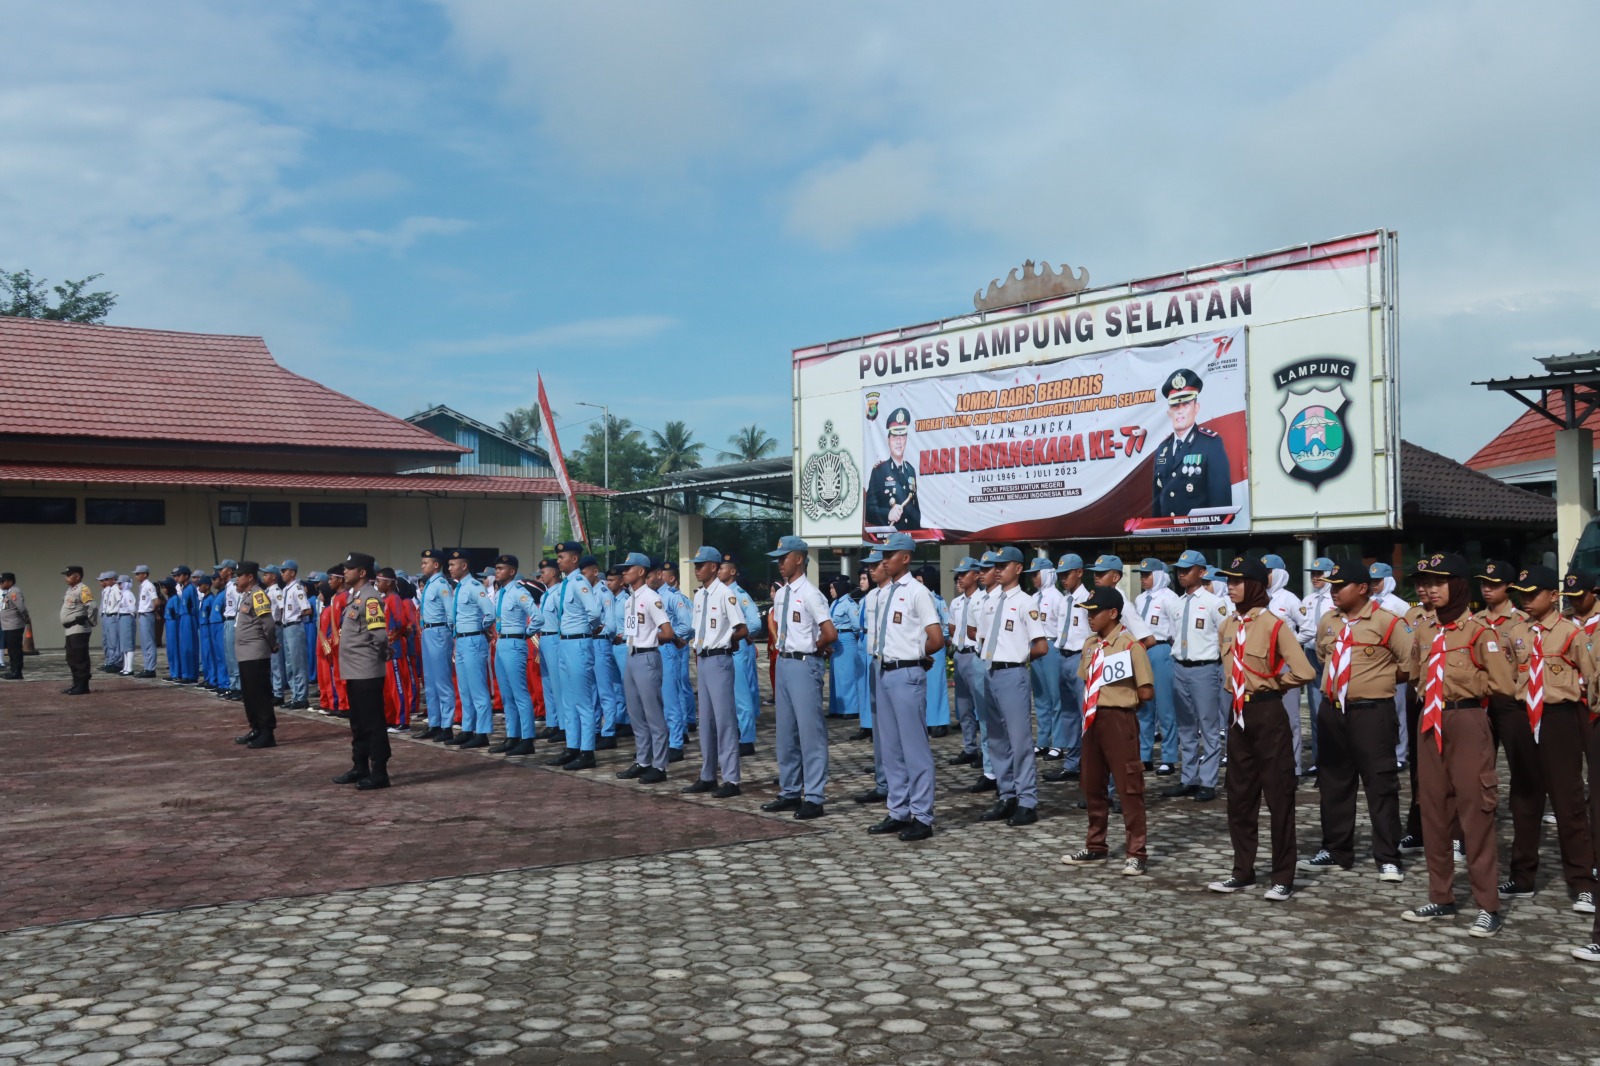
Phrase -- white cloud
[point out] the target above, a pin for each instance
(586, 333)
(396, 239)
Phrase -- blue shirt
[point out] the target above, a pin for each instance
(846, 618)
(613, 612)
(515, 609)
(438, 601)
(549, 610)
(680, 612)
(577, 606)
(752, 613)
(474, 609)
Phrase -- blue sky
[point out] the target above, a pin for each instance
(425, 202)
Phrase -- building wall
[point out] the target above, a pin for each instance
(398, 529)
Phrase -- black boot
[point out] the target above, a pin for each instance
(479, 740)
(522, 747)
(351, 776)
(460, 738)
(379, 778)
(502, 747)
(263, 739)
(566, 756)
(247, 738)
(583, 761)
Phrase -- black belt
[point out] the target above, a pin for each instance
(1367, 703)
(1196, 662)
(906, 664)
(838, 630)
(434, 625)
(1264, 697)
(503, 633)
(474, 633)
(715, 651)
(1461, 705)
(1004, 666)
(553, 633)
(797, 655)
(641, 651)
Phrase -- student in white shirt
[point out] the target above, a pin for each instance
(872, 566)
(1046, 669)
(1010, 635)
(1198, 699)
(294, 612)
(719, 627)
(1157, 606)
(647, 628)
(1072, 630)
(1317, 603)
(1286, 605)
(803, 629)
(964, 653)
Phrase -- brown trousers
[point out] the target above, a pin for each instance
(1594, 805)
(1261, 765)
(1358, 744)
(1508, 719)
(1563, 739)
(1111, 746)
(1460, 784)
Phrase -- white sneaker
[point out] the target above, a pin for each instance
(1584, 904)
(1391, 873)
(1278, 893)
(1587, 954)
(1549, 818)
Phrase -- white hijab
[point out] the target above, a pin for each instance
(1276, 580)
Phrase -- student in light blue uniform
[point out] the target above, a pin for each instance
(746, 667)
(515, 615)
(674, 660)
(314, 582)
(473, 618)
(686, 692)
(550, 651)
(938, 709)
(437, 616)
(202, 618)
(579, 611)
(617, 626)
(847, 676)
(608, 679)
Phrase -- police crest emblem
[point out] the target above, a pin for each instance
(830, 484)
(1316, 444)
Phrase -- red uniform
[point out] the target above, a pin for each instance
(397, 687)
(330, 686)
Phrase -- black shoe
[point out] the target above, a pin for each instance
(700, 786)
(871, 795)
(502, 747)
(584, 761)
(1178, 790)
(566, 756)
(939, 732)
(263, 740)
(605, 744)
(747, 749)
(148, 675)
(1062, 775)
(809, 810)
(247, 738)
(860, 734)
(350, 777)
(782, 803)
(1023, 816)
(1410, 845)
(632, 772)
(75, 691)
(674, 754)
(982, 784)
(652, 776)
(624, 730)
(966, 758)
(277, 701)
(460, 738)
(1148, 766)
(693, 727)
(521, 747)
(549, 733)
(890, 824)
(1205, 795)
(444, 736)
(367, 784)
(916, 831)
(1001, 810)
(726, 792)
(427, 733)
(1083, 805)
(1116, 806)
(479, 740)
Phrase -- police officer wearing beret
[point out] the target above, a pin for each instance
(363, 649)
(892, 485)
(78, 615)
(1191, 465)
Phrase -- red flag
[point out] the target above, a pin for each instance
(560, 463)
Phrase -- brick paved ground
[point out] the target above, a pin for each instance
(826, 947)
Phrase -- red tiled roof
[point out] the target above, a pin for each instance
(112, 382)
(1531, 437)
(231, 480)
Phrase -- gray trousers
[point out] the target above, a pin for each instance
(874, 675)
(973, 668)
(907, 757)
(1200, 706)
(292, 639)
(719, 719)
(1010, 714)
(1071, 710)
(641, 688)
(966, 701)
(802, 740)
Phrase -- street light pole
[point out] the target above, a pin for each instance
(605, 438)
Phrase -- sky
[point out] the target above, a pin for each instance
(427, 201)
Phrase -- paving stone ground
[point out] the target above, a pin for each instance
(826, 947)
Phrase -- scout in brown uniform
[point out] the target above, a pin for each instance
(1552, 658)
(1366, 652)
(1261, 660)
(1591, 952)
(1459, 662)
(1411, 843)
(1508, 722)
(1117, 678)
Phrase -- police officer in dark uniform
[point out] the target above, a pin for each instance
(363, 651)
(892, 486)
(1191, 465)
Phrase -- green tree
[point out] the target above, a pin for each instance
(749, 444)
(675, 449)
(523, 423)
(24, 296)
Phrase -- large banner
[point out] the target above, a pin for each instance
(1132, 441)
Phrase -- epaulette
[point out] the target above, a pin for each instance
(1207, 432)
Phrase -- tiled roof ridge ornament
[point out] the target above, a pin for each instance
(1033, 284)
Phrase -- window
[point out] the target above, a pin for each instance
(252, 513)
(125, 512)
(38, 510)
(334, 515)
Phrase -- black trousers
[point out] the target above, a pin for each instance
(13, 643)
(1508, 720)
(1261, 767)
(255, 685)
(369, 732)
(78, 658)
(1358, 744)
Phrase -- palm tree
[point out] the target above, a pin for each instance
(523, 423)
(749, 444)
(675, 449)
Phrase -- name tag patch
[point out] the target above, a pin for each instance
(1118, 667)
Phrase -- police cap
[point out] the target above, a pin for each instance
(363, 561)
(1181, 387)
(899, 423)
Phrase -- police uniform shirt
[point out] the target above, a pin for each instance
(716, 613)
(888, 484)
(474, 611)
(1122, 693)
(578, 609)
(292, 604)
(1075, 625)
(1477, 661)
(1568, 658)
(363, 635)
(13, 609)
(800, 611)
(515, 611)
(230, 602)
(647, 613)
(255, 628)
(77, 607)
(1158, 610)
(1009, 626)
(1198, 621)
(1192, 473)
(1263, 662)
(147, 597)
(438, 601)
(905, 611)
(1380, 652)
